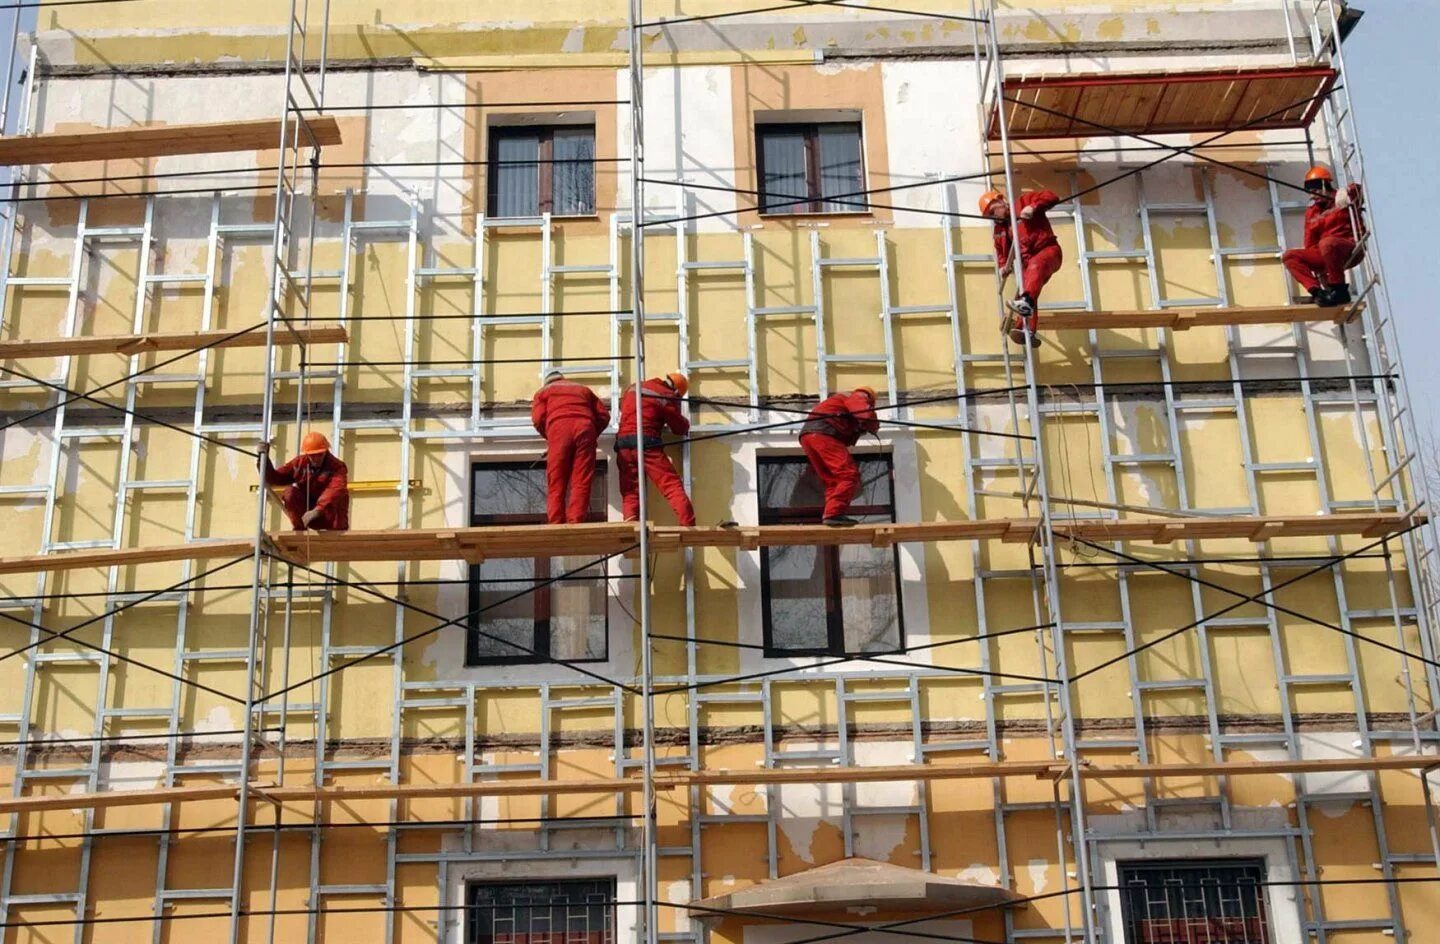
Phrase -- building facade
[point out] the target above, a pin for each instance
(1162, 734)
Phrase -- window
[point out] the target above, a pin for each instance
(1218, 901)
(827, 600)
(810, 168)
(568, 912)
(542, 169)
(563, 620)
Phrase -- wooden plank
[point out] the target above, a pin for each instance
(1257, 767)
(78, 560)
(109, 798)
(1183, 319)
(323, 333)
(158, 141)
(877, 774)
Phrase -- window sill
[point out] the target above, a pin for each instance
(840, 214)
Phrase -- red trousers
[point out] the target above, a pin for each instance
(1039, 268)
(569, 468)
(1327, 261)
(296, 504)
(831, 460)
(662, 474)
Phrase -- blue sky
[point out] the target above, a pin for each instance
(1393, 61)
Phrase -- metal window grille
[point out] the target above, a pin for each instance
(821, 600)
(567, 619)
(541, 169)
(810, 168)
(564, 912)
(1194, 902)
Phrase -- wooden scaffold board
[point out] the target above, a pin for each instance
(169, 341)
(108, 144)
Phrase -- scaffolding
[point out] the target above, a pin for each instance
(296, 577)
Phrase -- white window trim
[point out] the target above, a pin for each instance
(447, 653)
(552, 869)
(745, 508)
(1282, 901)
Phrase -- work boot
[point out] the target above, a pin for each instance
(1017, 336)
(1034, 339)
(1338, 294)
(1319, 296)
(728, 524)
(839, 521)
(1021, 305)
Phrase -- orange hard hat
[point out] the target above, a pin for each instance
(679, 381)
(988, 199)
(1319, 176)
(314, 443)
(868, 391)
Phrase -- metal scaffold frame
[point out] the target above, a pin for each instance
(1374, 390)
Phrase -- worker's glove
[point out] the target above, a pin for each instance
(1005, 271)
(1342, 200)
(310, 517)
(1027, 213)
(262, 453)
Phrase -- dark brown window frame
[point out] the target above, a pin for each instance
(815, 201)
(811, 514)
(541, 638)
(544, 166)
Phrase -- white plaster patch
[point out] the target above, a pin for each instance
(132, 775)
(1039, 875)
(218, 719)
(980, 873)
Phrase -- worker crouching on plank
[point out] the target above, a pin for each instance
(833, 427)
(317, 486)
(1040, 254)
(662, 396)
(1329, 240)
(570, 417)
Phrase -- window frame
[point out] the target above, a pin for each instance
(542, 638)
(544, 167)
(834, 610)
(471, 892)
(814, 206)
(1130, 922)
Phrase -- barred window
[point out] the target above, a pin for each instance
(828, 600)
(537, 169)
(810, 168)
(1218, 901)
(560, 912)
(566, 619)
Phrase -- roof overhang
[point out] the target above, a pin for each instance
(855, 885)
(1198, 102)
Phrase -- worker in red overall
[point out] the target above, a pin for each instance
(317, 485)
(833, 427)
(1040, 253)
(662, 396)
(1330, 240)
(571, 418)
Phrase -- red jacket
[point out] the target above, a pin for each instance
(1035, 233)
(846, 416)
(562, 400)
(1324, 220)
(325, 488)
(662, 409)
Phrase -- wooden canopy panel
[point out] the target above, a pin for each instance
(181, 341)
(1100, 105)
(161, 140)
(478, 544)
(1182, 319)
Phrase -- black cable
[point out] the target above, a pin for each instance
(802, 4)
(732, 644)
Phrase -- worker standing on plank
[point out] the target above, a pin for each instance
(833, 427)
(571, 418)
(317, 485)
(662, 396)
(1040, 253)
(1330, 240)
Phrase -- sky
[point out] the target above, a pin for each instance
(1393, 65)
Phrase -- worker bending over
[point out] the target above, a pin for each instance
(1040, 254)
(570, 417)
(317, 485)
(833, 427)
(662, 396)
(1330, 239)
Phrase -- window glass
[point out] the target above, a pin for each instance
(540, 912)
(542, 169)
(827, 600)
(803, 164)
(1194, 902)
(513, 620)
